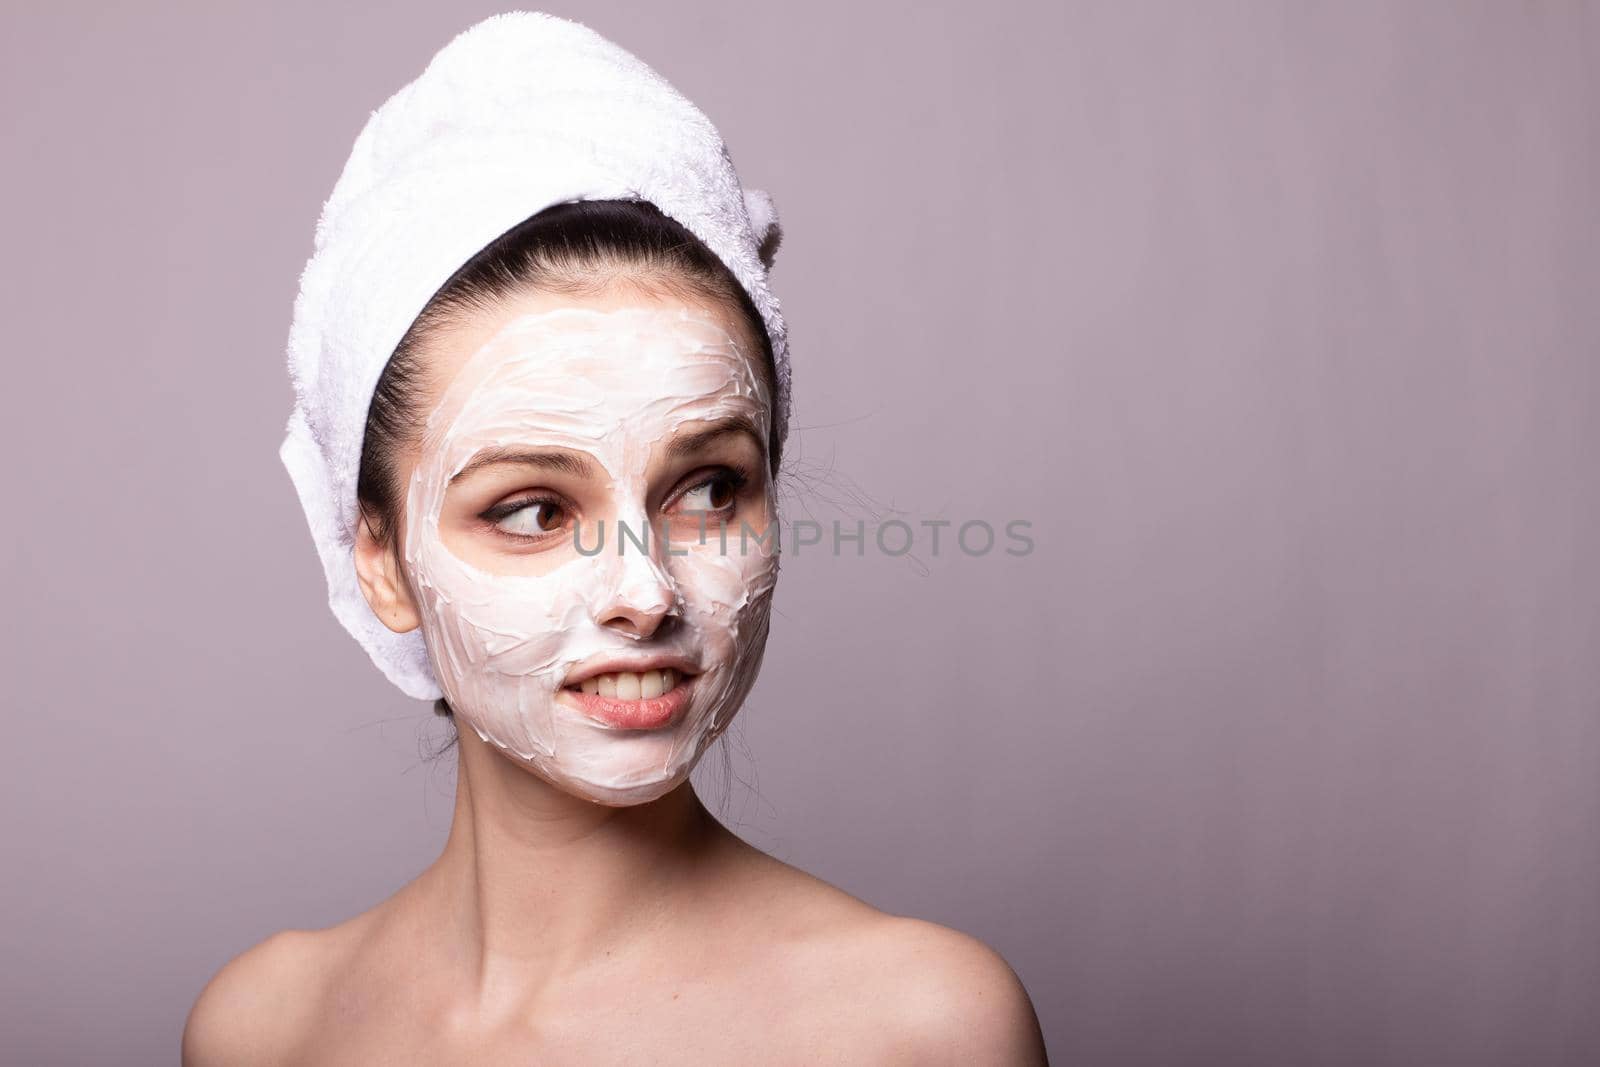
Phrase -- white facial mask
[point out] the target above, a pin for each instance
(614, 386)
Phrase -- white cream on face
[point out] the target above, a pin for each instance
(614, 386)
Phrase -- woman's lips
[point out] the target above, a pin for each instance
(620, 699)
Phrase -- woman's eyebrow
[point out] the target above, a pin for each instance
(693, 442)
(572, 463)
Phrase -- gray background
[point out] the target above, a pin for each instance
(1277, 320)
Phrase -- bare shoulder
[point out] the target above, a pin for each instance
(954, 998)
(912, 991)
(254, 1010)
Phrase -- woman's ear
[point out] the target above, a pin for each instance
(386, 590)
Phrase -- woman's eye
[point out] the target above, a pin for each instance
(532, 518)
(714, 494)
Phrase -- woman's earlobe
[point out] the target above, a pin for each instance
(386, 590)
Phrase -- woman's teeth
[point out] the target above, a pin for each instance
(625, 685)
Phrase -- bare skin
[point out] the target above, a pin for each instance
(552, 929)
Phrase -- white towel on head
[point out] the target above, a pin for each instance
(520, 111)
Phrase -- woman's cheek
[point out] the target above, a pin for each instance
(722, 587)
(730, 596)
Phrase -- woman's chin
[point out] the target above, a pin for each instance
(619, 768)
(584, 756)
(627, 788)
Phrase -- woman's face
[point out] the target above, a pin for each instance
(589, 534)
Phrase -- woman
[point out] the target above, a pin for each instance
(548, 504)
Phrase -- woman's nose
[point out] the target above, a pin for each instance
(639, 594)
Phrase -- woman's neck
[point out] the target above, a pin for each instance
(532, 881)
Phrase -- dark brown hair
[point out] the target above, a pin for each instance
(576, 248)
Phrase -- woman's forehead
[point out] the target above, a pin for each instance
(522, 312)
(578, 376)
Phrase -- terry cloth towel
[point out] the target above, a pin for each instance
(519, 112)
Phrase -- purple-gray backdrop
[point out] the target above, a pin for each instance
(1277, 321)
